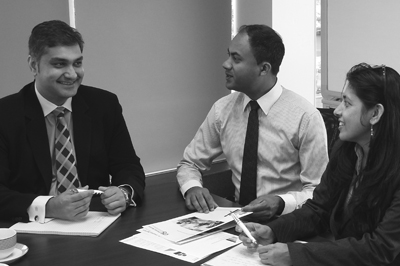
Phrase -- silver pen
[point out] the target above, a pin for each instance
(159, 230)
(244, 228)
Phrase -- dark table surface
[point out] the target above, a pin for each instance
(162, 201)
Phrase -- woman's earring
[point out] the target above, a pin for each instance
(372, 131)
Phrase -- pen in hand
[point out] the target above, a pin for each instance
(244, 228)
(95, 191)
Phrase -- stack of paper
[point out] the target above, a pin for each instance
(190, 237)
(93, 224)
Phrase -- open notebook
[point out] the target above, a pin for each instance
(92, 225)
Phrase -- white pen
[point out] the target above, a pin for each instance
(244, 228)
(95, 191)
(159, 230)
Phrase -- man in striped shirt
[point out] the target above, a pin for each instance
(292, 142)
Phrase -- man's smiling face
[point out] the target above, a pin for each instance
(59, 73)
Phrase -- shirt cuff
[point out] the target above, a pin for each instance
(188, 185)
(290, 203)
(131, 193)
(37, 210)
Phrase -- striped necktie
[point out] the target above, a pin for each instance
(67, 175)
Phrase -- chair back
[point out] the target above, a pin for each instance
(332, 126)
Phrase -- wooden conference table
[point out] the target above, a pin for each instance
(162, 201)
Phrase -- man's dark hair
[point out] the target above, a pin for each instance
(266, 45)
(50, 34)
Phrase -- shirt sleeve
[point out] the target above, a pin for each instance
(200, 153)
(290, 203)
(37, 210)
(313, 153)
(131, 194)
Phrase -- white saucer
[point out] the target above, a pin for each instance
(19, 251)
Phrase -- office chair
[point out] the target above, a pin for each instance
(332, 126)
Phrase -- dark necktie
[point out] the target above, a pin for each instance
(248, 183)
(67, 175)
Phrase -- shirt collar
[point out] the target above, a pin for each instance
(267, 100)
(48, 106)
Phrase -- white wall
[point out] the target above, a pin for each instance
(294, 20)
(359, 31)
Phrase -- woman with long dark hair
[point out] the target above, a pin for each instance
(358, 199)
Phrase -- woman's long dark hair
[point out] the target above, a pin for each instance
(379, 179)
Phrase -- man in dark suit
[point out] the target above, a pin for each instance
(57, 135)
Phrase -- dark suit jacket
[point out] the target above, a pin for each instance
(379, 247)
(102, 144)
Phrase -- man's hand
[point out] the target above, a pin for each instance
(262, 233)
(69, 205)
(113, 199)
(265, 207)
(275, 254)
(199, 199)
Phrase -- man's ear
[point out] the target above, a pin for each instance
(377, 113)
(265, 68)
(33, 65)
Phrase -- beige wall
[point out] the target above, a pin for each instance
(164, 61)
(17, 18)
(359, 31)
(259, 12)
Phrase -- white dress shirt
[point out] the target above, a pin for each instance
(37, 210)
(292, 145)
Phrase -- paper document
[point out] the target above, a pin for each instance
(237, 256)
(191, 252)
(183, 228)
(93, 224)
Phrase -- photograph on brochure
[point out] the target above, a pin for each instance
(184, 228)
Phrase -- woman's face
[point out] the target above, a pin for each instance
(354, 118)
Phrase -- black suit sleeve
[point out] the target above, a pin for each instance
(104, 149)
(379, 247)
(124, 164)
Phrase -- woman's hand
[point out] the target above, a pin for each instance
(262, 233)
(275, 254)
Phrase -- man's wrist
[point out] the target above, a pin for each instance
(281, 206)
(271, 235)
(126, 195)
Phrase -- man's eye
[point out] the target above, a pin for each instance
(58, 65)
(78, 64)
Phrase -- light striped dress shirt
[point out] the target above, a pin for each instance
(292, 145)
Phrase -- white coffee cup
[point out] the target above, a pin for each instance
(8, 240)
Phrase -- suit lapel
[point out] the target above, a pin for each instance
(82, 135)
(37, 135)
